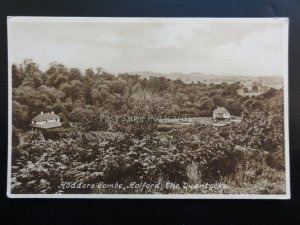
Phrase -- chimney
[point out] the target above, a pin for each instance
(42, 113)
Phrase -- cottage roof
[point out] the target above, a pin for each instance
(220, 110)
(45, 116)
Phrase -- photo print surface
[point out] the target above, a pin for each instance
(148, 108)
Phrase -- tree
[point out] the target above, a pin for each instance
(31, 74)
(75, 74)
(206, 106)
(137, 88)
(219, 101)
(20, 115)
(90, 119)
(234, 107)
(180, 99)
(17, 77)
(118, 86)
(72, 91)
(253, 105)
(89, 72)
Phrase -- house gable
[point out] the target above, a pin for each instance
(221, 113)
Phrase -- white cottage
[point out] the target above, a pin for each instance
(220, 113)
(46, 121)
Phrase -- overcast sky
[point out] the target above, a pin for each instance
(165, 46)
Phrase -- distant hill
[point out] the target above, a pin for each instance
(185, 77)
(270, 81)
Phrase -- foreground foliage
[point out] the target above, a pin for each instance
(203, 154)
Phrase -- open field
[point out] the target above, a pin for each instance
(196, 120)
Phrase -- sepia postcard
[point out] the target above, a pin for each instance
(181, 108)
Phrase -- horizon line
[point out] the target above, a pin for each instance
(148, 71)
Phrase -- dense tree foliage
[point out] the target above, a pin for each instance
(110, 130)
(63, 90)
